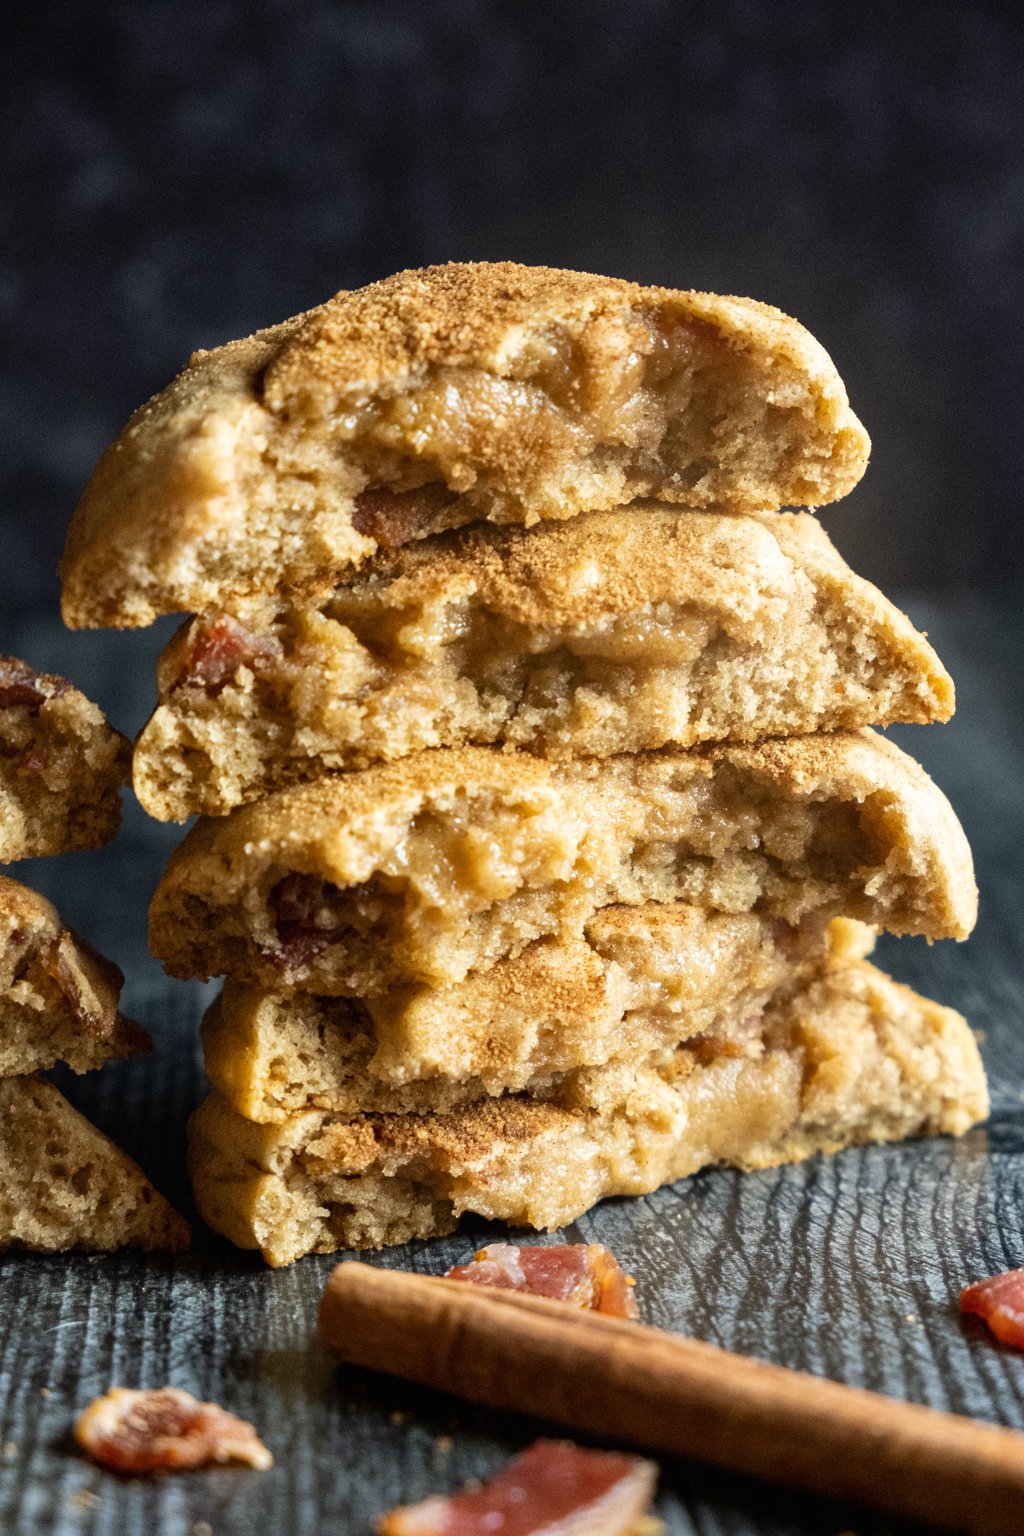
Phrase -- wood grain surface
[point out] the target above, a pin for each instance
(848, 1267)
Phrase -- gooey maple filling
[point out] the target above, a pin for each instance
(708, 839)
(643, 400)
(375, 645)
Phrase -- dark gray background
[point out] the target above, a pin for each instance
(177, 172)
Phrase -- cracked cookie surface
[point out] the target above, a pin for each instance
(441, 397)
(445, 862)
(851, 1058)
(612, 632)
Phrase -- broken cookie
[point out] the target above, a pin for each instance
(61, 766)
(445, 862)
(436, 398)
(850, 1057)
(611, 632)
(64, 1185)
(58, 997)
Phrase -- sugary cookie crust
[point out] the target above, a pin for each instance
(612, 632)
(852, 1058)
(638, 981)
(446, 861)
(513, 393)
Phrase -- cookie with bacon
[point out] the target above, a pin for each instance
(447, 861)
(61, 766)
(58, 997)
(611, 632)
(440, 397)
(850, 1058)
(637, 981)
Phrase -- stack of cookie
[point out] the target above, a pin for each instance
(543, 839)
(62, 1183)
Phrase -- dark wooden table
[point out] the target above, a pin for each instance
(848, 1267)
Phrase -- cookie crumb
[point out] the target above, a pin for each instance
(9, 1450)
(444, 1443)
(85, 1498)
(45, 1391)
(399, 1416)
(911, 1317)
(201, 1528)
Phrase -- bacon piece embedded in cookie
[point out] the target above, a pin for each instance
(394, 518)
(165, 1430)
(22, 687)
(216, 648)
(1000, 1302)
(553, 1487)
(583, 1275)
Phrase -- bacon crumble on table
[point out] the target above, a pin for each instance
(165, 1430)
(553, 1487)
(583, 1275)
(999, 1301)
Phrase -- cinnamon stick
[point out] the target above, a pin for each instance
(628, 1382)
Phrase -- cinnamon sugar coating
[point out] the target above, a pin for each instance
(851, 1058)
(638, 981)
(611, 632)
(445, 862)
(501, 392)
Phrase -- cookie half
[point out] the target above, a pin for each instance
(441, 397)
(851, 1058)
(61, 766)
(613, 632)
(64, 1185)
(447, 861)
(58, 996)
(638, 981)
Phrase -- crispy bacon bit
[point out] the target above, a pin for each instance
(583, 1275)
(165, 1431)
(303, 919)
(88, 982)
(553, 1487)
(743, 1034)
(22, 687)
(218, 647)
(1000, 1301)
(394, 518)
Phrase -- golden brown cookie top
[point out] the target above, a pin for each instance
(623, 560)
(442, 397)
